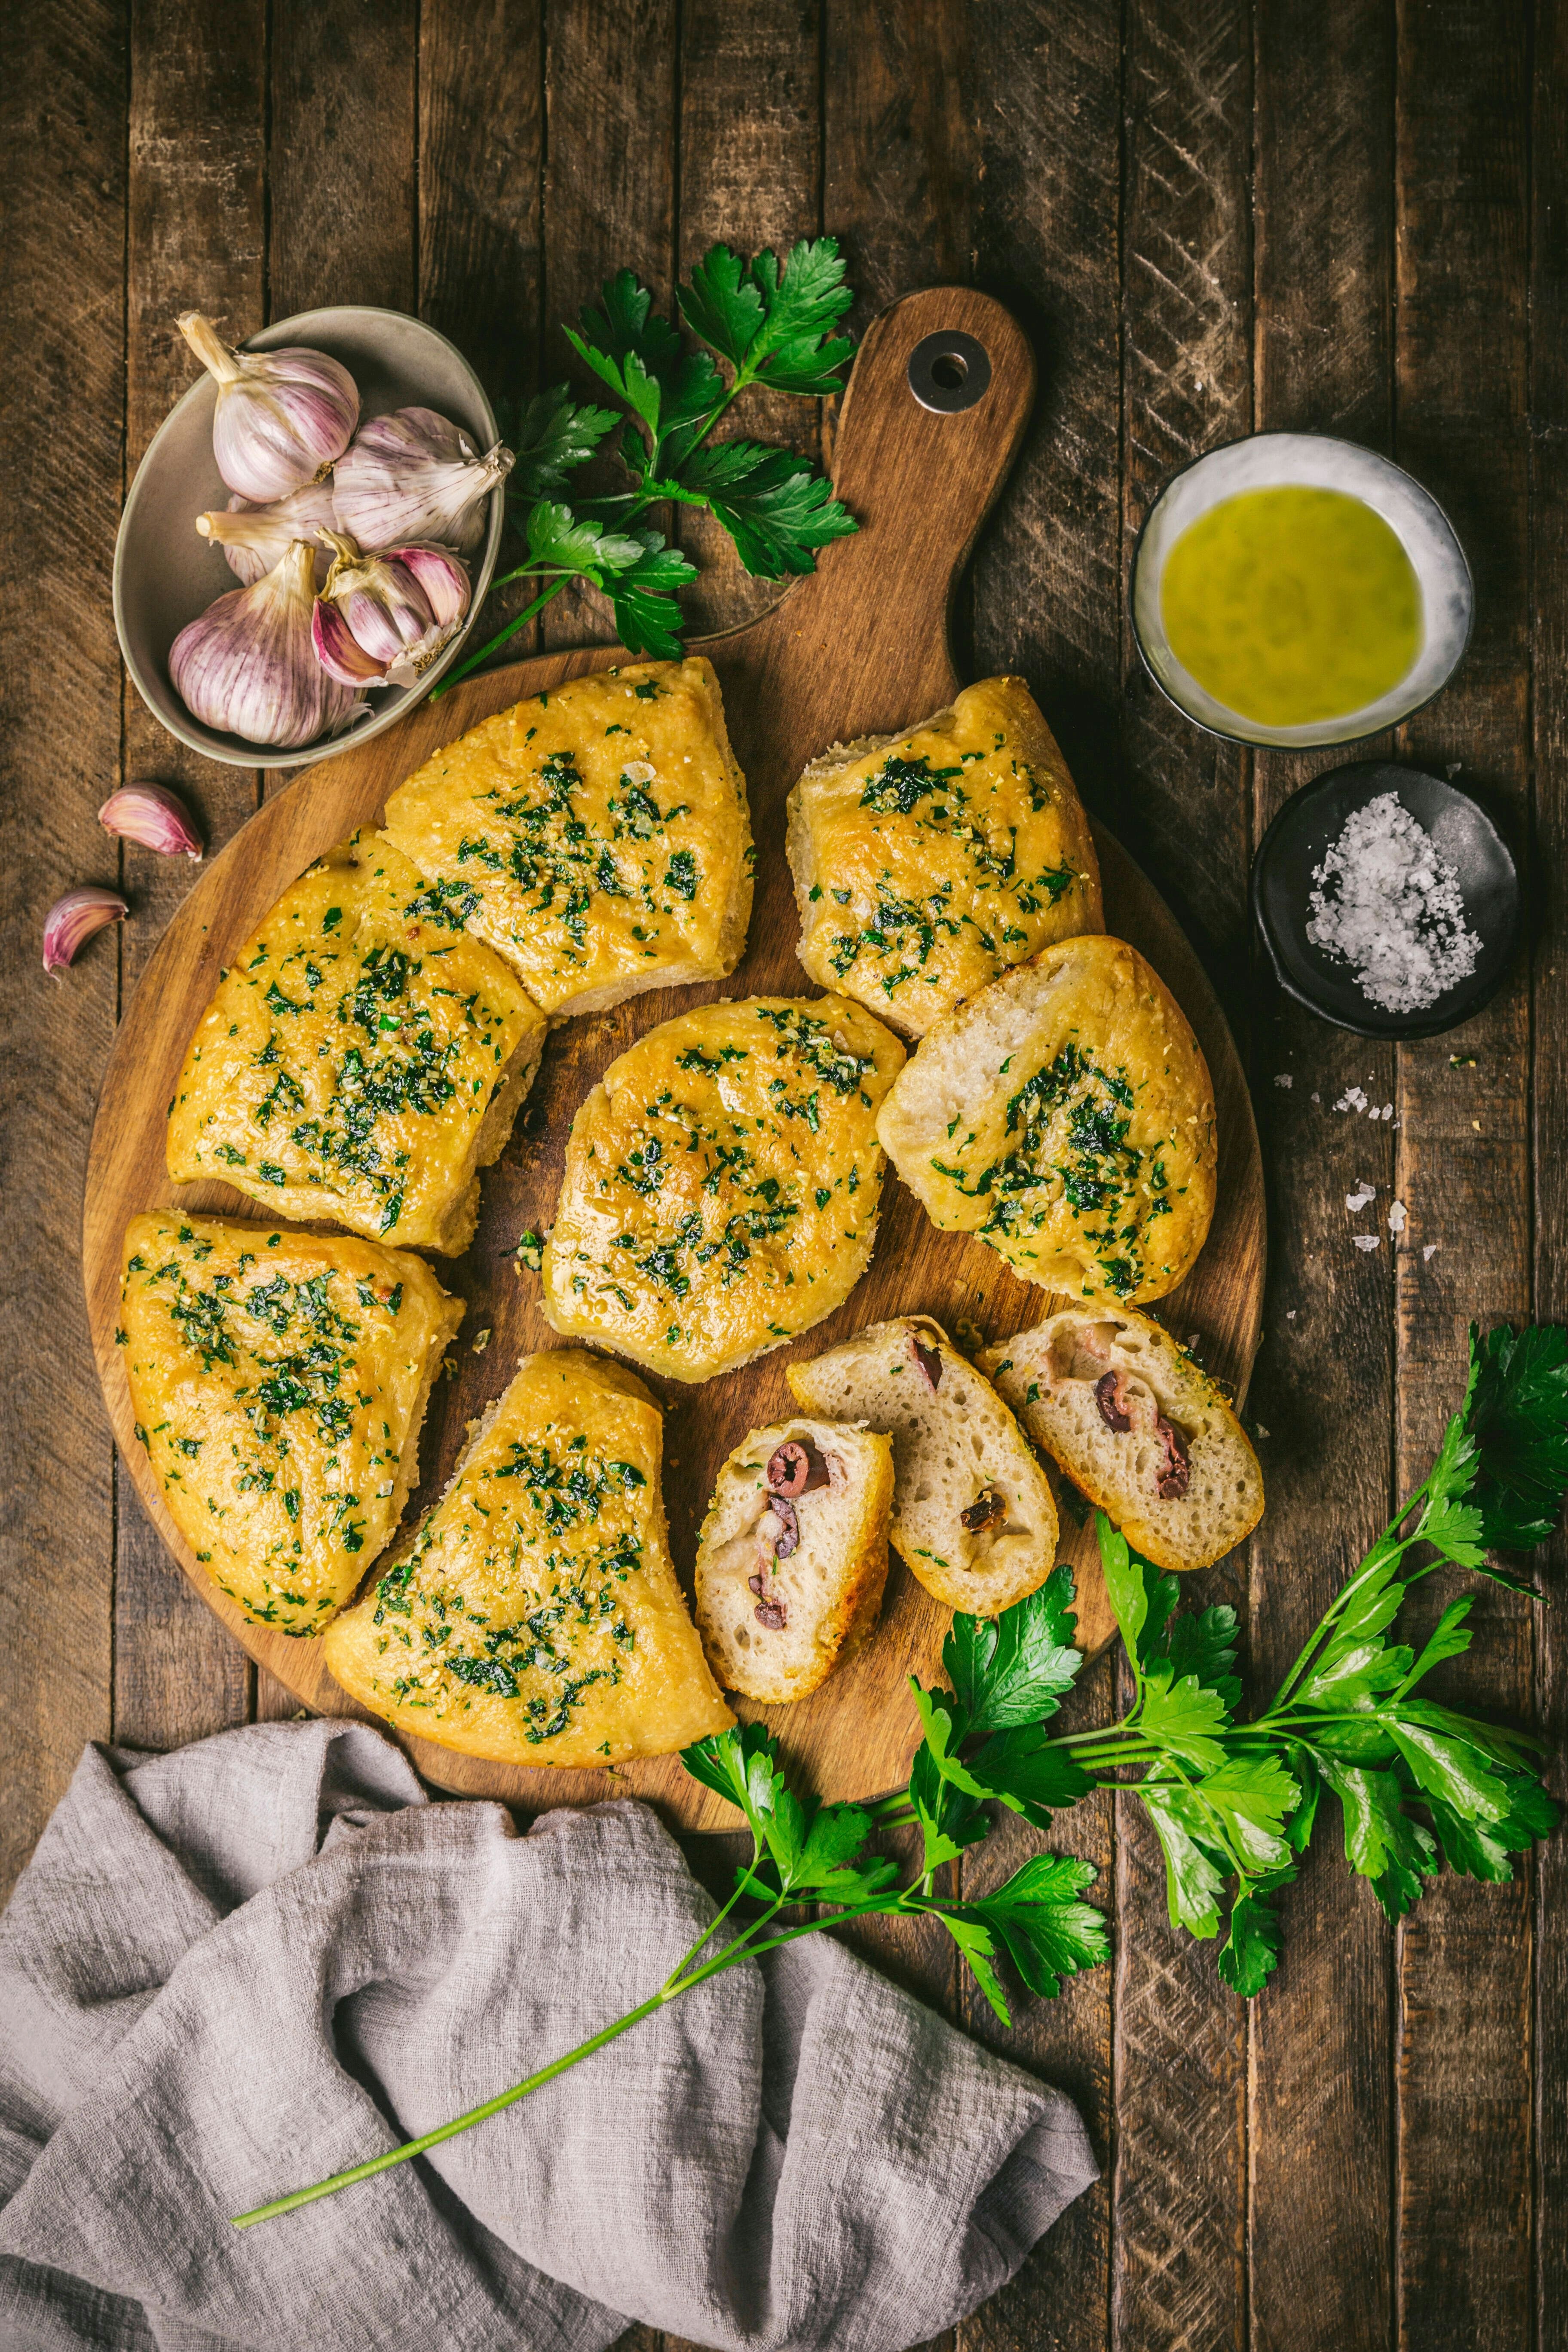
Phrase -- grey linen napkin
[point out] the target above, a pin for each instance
(233, 1969)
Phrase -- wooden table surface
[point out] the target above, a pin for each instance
(1211, 216)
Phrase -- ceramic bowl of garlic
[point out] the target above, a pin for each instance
(320, 652)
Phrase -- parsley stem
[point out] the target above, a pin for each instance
(510, 630)
(1376, 1559)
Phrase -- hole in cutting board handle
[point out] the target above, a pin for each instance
(948, 372)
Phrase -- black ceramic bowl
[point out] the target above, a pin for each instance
(1294, 846)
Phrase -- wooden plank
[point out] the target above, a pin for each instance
(62, 144)
(611, 110)
(196, 241)
(1548, 612)
(1465, 1986)
(342, 154)
(1319, 2090)
(1046, 601)
(1179, 2186)
(900, 145)
(751, 167)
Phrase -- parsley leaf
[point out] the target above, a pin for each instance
(1037, 1918)
(1013, 1669)
(1518, 1416)
(551, 434)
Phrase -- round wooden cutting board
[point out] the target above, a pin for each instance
(859, 647)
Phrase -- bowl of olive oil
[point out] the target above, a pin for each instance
(1295, 590)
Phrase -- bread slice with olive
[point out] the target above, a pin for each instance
(1139, 1427)
(973, 1515)
(794, 1555)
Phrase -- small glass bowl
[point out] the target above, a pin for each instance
(1269, 461)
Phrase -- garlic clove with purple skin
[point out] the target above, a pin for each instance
(281, 417)
(255, 538)
(247, 665)
(413, 477)
(73, 919)
(153, 817)
(381, 620)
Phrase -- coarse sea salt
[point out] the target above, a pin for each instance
(1390, 905)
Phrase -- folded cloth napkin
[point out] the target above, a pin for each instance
(229, 1971)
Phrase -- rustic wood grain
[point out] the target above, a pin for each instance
(62, 109)
(857, 647)
(1179, 2186)
(196, 240)
(1320, 2090)
(1047, 600)
(1465, 1959)
(342, 185)
(1549, 1059)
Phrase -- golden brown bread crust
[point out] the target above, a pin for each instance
(597, 835)
(362, 1059)
(1066, 1115)
(721, 1183)
(279, 1381)
(926, 863)
(535, 1618)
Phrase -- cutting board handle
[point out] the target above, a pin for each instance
(919, 479)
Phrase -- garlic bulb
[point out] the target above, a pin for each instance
(281, 417)
(74, 919)
(247, 665)
(152, 817)
(413, 478)
(254, 538)
(381, 619)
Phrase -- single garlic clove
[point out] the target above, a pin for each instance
(413, 477)
(74, 919)
(152, 817)
(248, 666)
(255, 538)
(281, 417)
(394, 611)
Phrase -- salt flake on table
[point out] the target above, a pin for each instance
(1397, 1216)
(1360, 1199)
(1385, 903)
(1429, 1250)
(1365, 1241)
(1283, 1078)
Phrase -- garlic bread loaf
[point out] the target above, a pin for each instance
(279, 1381)
(794, 1555)
(362, 1059)
(1065, 1116)
(973, 1513)
(926, 863)
(598, 836)
(1138, 1427)
(721, 1183)
(535, 1618)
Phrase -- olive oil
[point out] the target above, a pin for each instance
(1291, 605)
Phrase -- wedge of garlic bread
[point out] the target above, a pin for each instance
(973, 1513)
(279, 1381)
(362, 1059)
(926, 863)
(598, 836)
(794, 1555)
(1138, 1427)
(1067, 1117)
(721, 1183)
(535, 1618)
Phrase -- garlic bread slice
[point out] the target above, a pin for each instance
(926, 863)
(794, 1555)
(973, 1513)
(362, 1059)
(1065, 1116)
(1138, 1427)
(721, 1183)
(535, 1618)
(598, 836)
(279, 1382)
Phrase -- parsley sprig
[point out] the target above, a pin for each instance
(1233, 1803)
(772, 324)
